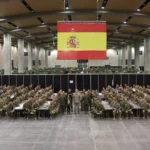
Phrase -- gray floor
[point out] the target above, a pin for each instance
(74, 132)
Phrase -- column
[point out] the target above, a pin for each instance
(147, 54)
(124, 57)
(20, 55)
(119, 57)
(30, 55)
(46, 58)
(36, 57)
(7, 54)
(137, 58)
(129, 48)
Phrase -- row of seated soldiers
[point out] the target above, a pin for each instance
(119, 99)
(32, 98)
(139, 95)
(118, 102)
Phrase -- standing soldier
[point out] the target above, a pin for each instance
(76, 101)
(82, 101)
(90, 98)
(70, 97)
(68, 104)
(61, 99)
(86, 100)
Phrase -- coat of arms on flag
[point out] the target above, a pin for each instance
(73, 42)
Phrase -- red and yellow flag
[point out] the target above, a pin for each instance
(81, 40)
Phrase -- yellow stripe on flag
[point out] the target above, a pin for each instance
(83, 40)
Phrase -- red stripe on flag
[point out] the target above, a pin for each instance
(81, 55)
(81, 27)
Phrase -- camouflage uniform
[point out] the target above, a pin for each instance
(146, 109)
(97, 108)
(117, 110)
(62, 101)
(76, 101)
(128, 110)
(86, 100)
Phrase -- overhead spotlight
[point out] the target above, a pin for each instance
(103, 7)
(17, 27)
(43, 23)
(67, 7)
(138, 9)
(125, 22)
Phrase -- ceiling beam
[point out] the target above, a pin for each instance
(29, 28)
(54, 25)
(46, 39)
(40, 34)
(126, 33)
(17, 36)
(73, 12)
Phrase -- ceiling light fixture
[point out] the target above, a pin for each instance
(125, 22)
(103, 7)
(67, 7)
(138, 9)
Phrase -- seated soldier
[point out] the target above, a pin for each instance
(128, 110)
(122, 105)
(117, 110)
(146, 109)
(98, 108)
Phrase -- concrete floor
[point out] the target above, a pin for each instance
(74, 132)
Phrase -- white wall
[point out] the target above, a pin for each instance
(111, 54)
(1, 57)
(42, 57)
(141, 60)
(52, 60)
(14, 56)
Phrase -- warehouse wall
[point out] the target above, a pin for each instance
(112, 60)
(42, 57)
(111, 54)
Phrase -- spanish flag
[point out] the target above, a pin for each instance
(81, 40)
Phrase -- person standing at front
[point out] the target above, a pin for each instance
(76, 101)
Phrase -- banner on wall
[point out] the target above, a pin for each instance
(81, 40)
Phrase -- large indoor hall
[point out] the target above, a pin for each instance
(75, 75)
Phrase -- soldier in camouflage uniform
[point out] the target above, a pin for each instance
(76, 101)
(90, 99)
(128, 110)
(86, 100)
(97, 108)
(117, 110)
(62, 100)
(146, 109)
